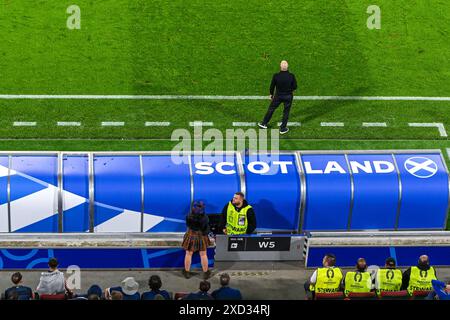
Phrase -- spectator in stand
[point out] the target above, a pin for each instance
(196, 239)
(155, 285)
(18, 290)
(441, 290)
(94, 297)
(53, 281)
(94, 290)
(202, 294)
(129, 290)
(225, 292)
(418, 278)
(116, 295)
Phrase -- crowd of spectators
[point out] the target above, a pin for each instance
(52, 286)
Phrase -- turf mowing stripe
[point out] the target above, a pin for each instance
(200, 138)
(291, 124)
(244, 124)
(201, 124)
(374, 124)
(440, 127)
(157, 124)
(113, 124)
(332, 124)
(212, 97)
(68, 124)
(24, 124)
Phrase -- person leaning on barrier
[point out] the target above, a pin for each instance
(418, 278)
(327, 279)
(358, 281)
(238, 217)
(388, 278)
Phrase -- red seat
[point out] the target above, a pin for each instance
(420, 295)
(60, 296)
(329, 296)
(361, 296)
(394, 295)
(180, 295)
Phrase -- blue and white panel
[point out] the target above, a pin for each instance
(167, 196)
(376, 191)
(3, 194)
(273, 190)
(328, 192)
(34, 194)
(216, 179)
(75, 193)
(424, 191)
(117, 194)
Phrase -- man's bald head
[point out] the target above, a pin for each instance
(424, 260)
(284, 65)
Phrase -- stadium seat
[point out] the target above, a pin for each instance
(329, 296)
(60, 296)
(419, 295)
(361, 296)
(394, 295)
(180, 295)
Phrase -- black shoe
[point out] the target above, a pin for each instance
(186, 274)
(283, 131)
(262, 126)
(207, 275)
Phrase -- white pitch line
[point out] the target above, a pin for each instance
(291, 124)
(24, 124)
(332, 124)
(68, 124)
(244, 124)
(440, 127)
(374, 124)
(212, 97)
(113, 124)
(157, 124)
(201, 124)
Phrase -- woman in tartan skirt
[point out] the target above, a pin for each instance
(196, 239)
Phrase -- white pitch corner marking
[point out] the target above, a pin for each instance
(374, 124)
(332, 124)
(200, 124)
(440, 127)
(24, 124)
(244, 124)
(157, 124)
(68, 124)
(291, 124)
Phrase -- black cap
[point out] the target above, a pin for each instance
(390, 262)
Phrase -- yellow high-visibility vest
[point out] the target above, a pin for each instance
(357, 282)
(420, 280)
(389, 280)
(237, 221)
(328, 280)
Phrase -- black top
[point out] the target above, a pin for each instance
(251, 217)
(198, 222)
(407, 275)
(285, 83)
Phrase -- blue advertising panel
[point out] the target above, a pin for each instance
(34, 194)
(424, 191)
(328, 192)
(76, 193)
(273, 190)
(376, 191)
(4, 194)
(216, 179)
(167, 186)
(117, 194)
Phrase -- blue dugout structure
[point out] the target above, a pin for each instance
(292, 192)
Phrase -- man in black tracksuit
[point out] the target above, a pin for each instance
(285, 84)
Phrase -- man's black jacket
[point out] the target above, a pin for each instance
(251, 217)
(285, 83)
(407, 275)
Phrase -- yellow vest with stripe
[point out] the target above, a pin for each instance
(420, 280)
(328, 280)
(237, 221)
(389, 280)
(357, 282)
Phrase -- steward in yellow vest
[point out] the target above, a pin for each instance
(359, 280)
(327, 279)
(388, 278)
(419, 278)
(238, 217)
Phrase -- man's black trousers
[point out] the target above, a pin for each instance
(276, 101)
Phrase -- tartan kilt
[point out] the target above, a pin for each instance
(195, 241)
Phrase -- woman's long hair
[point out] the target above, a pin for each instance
(197, 213)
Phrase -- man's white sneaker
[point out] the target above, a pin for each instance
(283, 131)
(262, 126)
